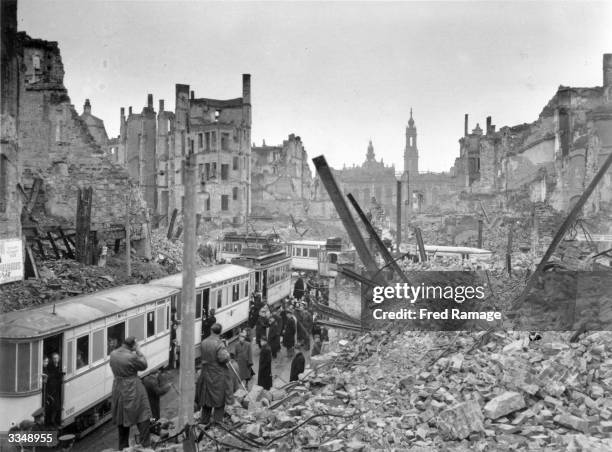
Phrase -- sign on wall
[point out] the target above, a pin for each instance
(11, 260)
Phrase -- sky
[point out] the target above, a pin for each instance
(337, 74)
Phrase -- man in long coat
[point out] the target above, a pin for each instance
(53, 390)
(214, 374)
(274, 334)
(289, 334)
(130, 404)
(244, 358)
(207, 323)
(264, 373)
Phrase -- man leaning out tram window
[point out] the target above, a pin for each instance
(130, 404)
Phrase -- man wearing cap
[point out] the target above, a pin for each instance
(274, 334)
(214, 374)
(244, 358)
(289, 333)
(157, 385)
(130, 404)
(208, 323)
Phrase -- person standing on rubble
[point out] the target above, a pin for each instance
(264, 373)
(262, 324)
(214, 375)
(244, 358)
(297, 364)
(129, 401)
(289, 333)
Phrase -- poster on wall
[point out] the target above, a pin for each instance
(11, 260)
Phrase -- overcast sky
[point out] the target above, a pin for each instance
(336, 74)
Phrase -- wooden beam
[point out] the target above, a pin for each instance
(34, 194)
(171, 225)
(55, 250)
(30, 263)
(420, 244)
(66, 244)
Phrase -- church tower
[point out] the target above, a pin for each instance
(411, 153)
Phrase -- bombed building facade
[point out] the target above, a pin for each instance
(153, 145)
(281, 178)
(549, 161)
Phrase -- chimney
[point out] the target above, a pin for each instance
(465, 125)
(150, 101)
(161, 105)
(607, 69)
(192, 95)
(130, 111)
(488, 125)
(87, 107)
(122, 113)
(246, 88)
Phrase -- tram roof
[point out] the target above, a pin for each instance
(80, 310)
(205, 276)
(309, 242)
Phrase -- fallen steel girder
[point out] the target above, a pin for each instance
(343, 326)
(379, 243)
(335, 194)
(357, 277)
(331, 312)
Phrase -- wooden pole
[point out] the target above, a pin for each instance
(128, 247)
(479, 233)
(187, 369)
(509, 252)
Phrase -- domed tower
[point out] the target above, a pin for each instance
(411, 153)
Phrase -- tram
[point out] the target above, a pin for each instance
(272, 269)
(231, 244)
(84, 330)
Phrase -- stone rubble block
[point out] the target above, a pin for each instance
(504, 404)
(459, 421)
(573, 422)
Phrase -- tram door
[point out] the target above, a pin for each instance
(205, 302)
(53, 383)
(264, 284)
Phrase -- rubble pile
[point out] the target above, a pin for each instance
(435, 391)
(64, 278)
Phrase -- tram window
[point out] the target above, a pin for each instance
(136, 327)
(97, 345)
(219, 298)
(235, 292)
(198, 312)
(246, 288)
(160, 319)
(150, 323)
(304, 252)
(312, 252)
(34, 368)
(82, 349)
(167, 318)
(69, 355)
(23, 366)
(114, 336)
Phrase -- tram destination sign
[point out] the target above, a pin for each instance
(11, 260)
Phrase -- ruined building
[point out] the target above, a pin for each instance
(281, 178)
(95, 125)
(550, 160)
(10, 162)
(57, 154)
(153, 146)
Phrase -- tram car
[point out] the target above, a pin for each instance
(231, 244)
(83, 331)
(315, 255)
(435, 252)
(224, 288)
(272, 269)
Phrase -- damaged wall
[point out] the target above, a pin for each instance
(58, 147)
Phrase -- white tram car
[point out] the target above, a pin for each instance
(315, 256)
(81, 330)
(84, 330)
(224, 288)
(272, 268)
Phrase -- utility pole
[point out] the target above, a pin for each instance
(128, 247)
(187, 369)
